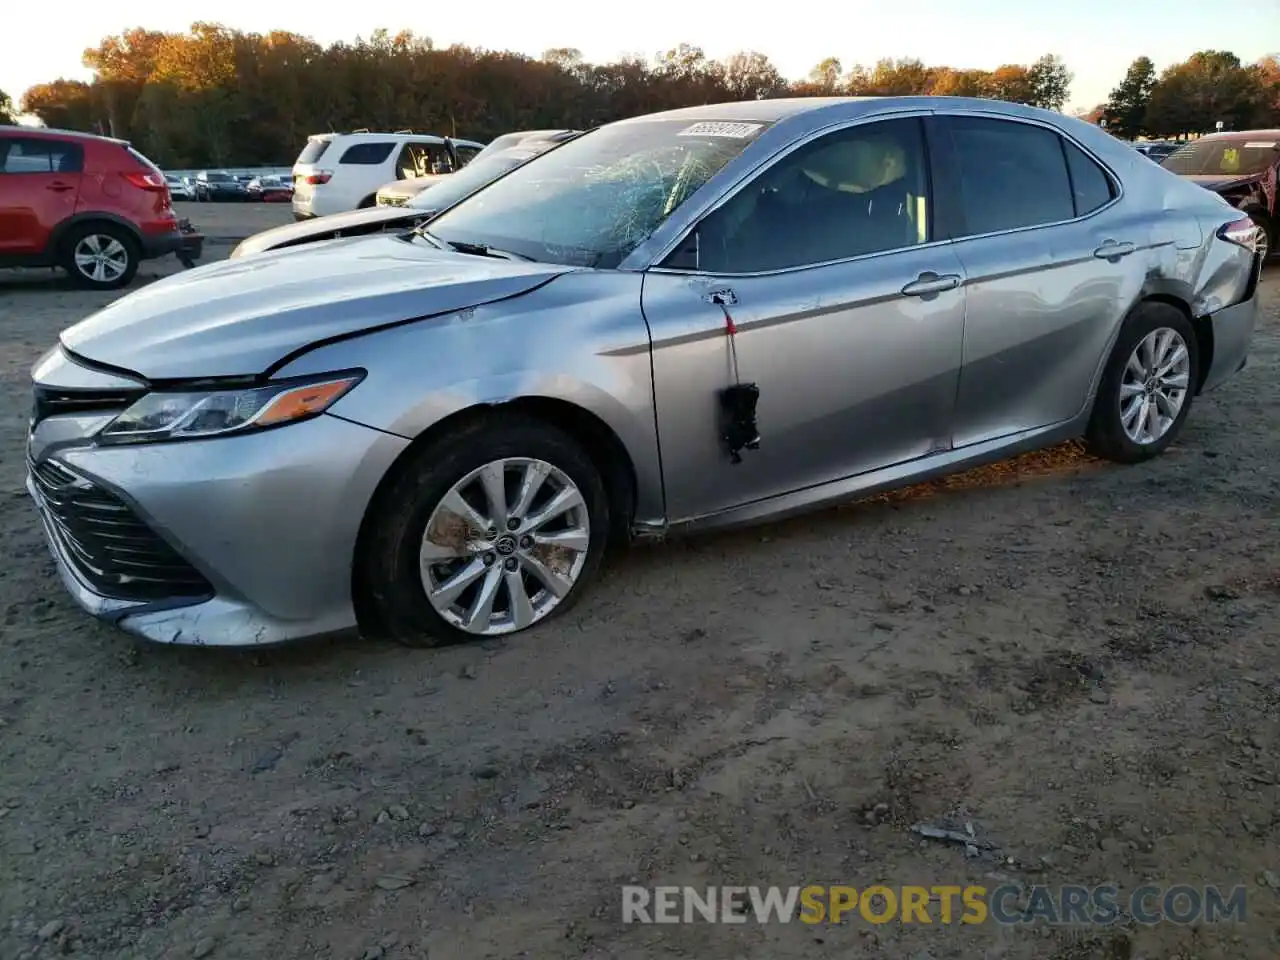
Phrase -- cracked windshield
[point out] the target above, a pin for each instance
(594, 200)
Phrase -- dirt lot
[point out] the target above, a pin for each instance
(1078, 659)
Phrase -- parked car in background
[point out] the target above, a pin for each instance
(1241, 167)
(269, 189)
(1155, 150)
(444, 430)
(447, 191)
(399, 192)
(336, 172)
(215, 185)
(93, 206)
(178, 188)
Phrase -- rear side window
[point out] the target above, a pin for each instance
(313, 151)
(1091, 188)
(1012, 175)
(31, 155)
(367, 153)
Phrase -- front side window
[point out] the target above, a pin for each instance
(31, 155)
(367, 154)
(1012, 175)
(858, 191)
(1235, 157)
(595, 199)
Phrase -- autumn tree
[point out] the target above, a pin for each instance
(6, 108)
(67, 104)
(1125, 112)
(750, 76)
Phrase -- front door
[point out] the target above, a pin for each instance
(849, 318)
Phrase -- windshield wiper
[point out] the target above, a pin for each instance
(474, 249)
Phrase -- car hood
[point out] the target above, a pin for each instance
(411, 187)
(320, 228)
(239, 317)
(1218, 183)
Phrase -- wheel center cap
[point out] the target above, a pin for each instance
(505, 546)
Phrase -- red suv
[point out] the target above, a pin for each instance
(91, 205)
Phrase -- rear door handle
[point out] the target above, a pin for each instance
(930, 282)
(1113, 250)
(59, 187)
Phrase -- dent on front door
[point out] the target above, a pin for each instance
(857, 366)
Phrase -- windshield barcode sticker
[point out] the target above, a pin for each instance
(715, 128)
(1259, 144)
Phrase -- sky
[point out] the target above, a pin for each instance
(1097, 38)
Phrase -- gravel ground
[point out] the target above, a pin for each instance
(1077, 659)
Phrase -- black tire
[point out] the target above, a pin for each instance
(368, 201)
(388, 567)
(1106, 436)
(109, 239)
(1268, 227)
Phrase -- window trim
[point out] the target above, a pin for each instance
(921, 115)
(944, 126)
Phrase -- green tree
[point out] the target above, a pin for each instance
(1125, 112)
(1050, 82)
(1210, 86)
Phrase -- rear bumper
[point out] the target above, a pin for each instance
(156, 245)
(1232, 335)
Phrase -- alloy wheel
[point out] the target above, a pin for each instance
(101, 258)
(505, 546)
(1154, 386)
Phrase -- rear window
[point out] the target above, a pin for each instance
(313, 151)
(217, 177)
(1215, 158)
(367, 153)
(40, 155)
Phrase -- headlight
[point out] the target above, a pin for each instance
(209, 413)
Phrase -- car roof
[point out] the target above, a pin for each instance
(1241, 135)
(56, 132)
(772, 111)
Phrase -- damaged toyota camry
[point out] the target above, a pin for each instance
(705, 317)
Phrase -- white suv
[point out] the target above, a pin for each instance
(336, 172)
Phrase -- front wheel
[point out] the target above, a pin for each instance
(100, 256)
(1147, 386)
(489, 531)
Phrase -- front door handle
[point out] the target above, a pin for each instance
(59, 187)
(929, 282)
(1114, 250)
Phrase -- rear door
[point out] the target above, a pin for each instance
(39, 184)
(1053, 260)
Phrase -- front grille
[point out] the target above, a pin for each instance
(391, 200)
(52, 401)
(110, 547)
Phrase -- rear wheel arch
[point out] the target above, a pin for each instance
(60, 233)
(1203, 327)
(601, 443)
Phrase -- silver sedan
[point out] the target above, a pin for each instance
(699, 318)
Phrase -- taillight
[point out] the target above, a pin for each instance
(316, 179)
(146, 181)
(1243, 232)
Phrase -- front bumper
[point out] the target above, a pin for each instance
(269, 520)
(1232, 335)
